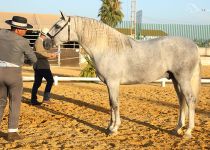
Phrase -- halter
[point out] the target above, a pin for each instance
(67, 23)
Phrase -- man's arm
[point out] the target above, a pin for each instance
(40, 48)
(29, 53)
(41, 51)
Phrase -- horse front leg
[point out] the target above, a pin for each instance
(113, 89)
(182, 107)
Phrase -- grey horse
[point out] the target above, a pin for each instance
(119, 59)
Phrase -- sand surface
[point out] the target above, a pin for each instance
(79, 115)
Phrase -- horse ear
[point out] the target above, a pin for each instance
(62, 16)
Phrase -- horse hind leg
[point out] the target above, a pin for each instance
(182, 106)
(193, 98)
(190, 100)
(190, 90)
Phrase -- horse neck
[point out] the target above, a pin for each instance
(96, 37)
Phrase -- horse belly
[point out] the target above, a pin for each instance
(146, 75)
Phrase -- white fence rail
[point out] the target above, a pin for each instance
(163, 81)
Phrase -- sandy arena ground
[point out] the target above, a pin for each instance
(79, 115)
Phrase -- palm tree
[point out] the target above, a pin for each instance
(110, 12)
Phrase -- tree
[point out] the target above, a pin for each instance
(110, 12)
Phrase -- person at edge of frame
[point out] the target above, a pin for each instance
(14, 49)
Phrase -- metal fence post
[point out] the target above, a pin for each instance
(163, 84)
(59, 55)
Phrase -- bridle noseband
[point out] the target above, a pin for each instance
(67, 23)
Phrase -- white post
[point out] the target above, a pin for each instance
(55, 80)
(163, 82)
(59, 55)
(133, 18)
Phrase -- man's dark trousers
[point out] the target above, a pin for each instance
(39, 75)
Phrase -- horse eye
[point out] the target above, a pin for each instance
(57, 26)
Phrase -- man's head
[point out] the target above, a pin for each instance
(43, 32)
(19, 25)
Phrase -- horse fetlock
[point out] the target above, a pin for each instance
(180, 125)
(111, 127)
(179, 131)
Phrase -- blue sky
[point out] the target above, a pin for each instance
(154, 11)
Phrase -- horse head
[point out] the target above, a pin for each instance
(62, 31)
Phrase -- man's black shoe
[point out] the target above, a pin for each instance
(13, 136)
(35, 102)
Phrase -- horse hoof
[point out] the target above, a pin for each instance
(176, 132)
(111, 132)
(110, 128)
(187, 136)
(179, 131)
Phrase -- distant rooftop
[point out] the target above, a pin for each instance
(37, 20)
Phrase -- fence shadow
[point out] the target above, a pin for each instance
(3, 135)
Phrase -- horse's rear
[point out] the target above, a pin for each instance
(183, 62)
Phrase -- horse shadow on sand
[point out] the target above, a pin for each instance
(81, 103)
(153, 101)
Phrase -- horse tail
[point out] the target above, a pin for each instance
(196, 79)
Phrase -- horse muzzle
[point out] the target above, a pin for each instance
(48, 43)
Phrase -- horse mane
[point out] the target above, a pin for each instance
(101, 34)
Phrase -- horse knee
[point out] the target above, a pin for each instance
(114, 105)
(190, 100)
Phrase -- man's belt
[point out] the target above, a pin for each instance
(7, 64)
